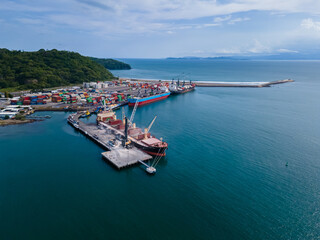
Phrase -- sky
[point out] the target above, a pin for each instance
(162, 28)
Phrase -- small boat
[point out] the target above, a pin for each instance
(86, 114)
(151, 170)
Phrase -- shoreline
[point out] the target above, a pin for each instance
(9, 122)
(59, 109)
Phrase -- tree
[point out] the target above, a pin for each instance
(6, 117)
(20, 117)
(53, 68)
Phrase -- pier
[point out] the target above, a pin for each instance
(218, 84)
(117, 155)
(124, 157)
(241, 84)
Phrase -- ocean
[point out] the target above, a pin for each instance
(242, 163)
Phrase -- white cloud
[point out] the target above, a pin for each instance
(284, 50)
(164, 9)
(221, 19)
(123, 19)
(138, 16)
(310, 24)
(211, 24)
(258, 47)
(230, 51)
(233, 21)
(30, 21)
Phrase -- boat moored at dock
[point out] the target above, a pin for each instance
(149, 99)
(140, 139)
(175, 87)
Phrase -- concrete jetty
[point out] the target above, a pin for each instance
(218, 84)
(117, 155)
(123, 157)
(240, 84)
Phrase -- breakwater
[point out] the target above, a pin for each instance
(218, 84)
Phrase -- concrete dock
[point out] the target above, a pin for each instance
(123, 157)
(117, 155)
(218, 84)
(241, 84)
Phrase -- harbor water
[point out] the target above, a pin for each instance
(242, 163)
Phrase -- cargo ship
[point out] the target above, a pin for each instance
(175, 88)
(149, 99)
(140, 139)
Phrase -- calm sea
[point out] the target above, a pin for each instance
(243, 163)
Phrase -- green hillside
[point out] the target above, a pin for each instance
(34, 70)
(112, 64)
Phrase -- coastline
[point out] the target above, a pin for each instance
(9, 122)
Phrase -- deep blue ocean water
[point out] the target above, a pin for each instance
(224, 176)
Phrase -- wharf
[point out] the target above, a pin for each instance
(117, 155)
(123, 157)
(240, 84)
(218, 84)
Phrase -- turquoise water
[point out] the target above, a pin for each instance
(224, 177)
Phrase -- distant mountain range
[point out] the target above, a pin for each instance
(280, 56)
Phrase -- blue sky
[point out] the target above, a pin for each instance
(162, 28)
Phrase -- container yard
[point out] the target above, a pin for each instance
(92, 96)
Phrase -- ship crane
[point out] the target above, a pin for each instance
(146, 130)
(134, 111)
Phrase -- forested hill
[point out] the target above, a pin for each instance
(112, 64)
(51, 68)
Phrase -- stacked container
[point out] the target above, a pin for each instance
(33, 100)
(73, 98)
(13, 101)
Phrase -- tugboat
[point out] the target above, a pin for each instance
(86, 114)
(175, 88)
